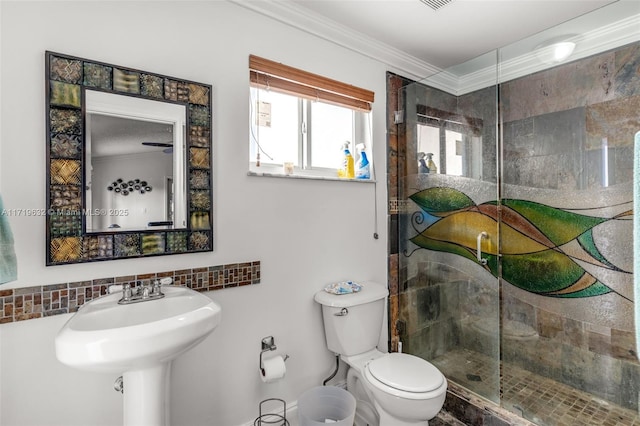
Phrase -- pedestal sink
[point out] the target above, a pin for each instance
(138, 341)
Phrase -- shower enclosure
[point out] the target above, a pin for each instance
(513, 207)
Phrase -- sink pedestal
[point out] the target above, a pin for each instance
(141, 339)
(146, 396)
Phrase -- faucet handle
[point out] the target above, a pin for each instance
(146, 291)
(127, 295)
(156, 289)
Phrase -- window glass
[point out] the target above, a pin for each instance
(428, 146)
(274, 127)
(330, 127)
(455, 153)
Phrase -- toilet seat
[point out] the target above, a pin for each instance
(404, 376)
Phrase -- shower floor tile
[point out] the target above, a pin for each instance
(543, 401)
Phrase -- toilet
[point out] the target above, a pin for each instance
(391, 389)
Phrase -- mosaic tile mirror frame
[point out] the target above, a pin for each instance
(67, 79)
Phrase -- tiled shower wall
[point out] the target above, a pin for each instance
(552, 140)
(396, 170)
(41, 301)
(554, 125)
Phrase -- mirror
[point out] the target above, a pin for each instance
(129, 155)
(134, 157)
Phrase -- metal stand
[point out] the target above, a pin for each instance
(272, 419)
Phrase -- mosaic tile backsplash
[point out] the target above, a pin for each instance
(43, 301)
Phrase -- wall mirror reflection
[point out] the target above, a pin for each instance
(129, 156)
(135, 163)
(447, 143)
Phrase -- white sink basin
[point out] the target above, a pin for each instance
(139, 341)
(108, 337)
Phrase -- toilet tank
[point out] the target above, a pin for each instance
(352, 322)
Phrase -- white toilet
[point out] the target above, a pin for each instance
(391, 389)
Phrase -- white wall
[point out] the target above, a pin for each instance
(305, 233)
(140, 209)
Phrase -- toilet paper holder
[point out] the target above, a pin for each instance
(268, 344)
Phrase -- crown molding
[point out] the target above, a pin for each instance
(301, 18)
(589, 43)
(608, 37)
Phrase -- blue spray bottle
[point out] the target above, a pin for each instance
(363, 169)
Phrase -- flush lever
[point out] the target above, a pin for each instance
(481, 235)
(343, 312)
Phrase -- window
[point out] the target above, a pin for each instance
(304, 119)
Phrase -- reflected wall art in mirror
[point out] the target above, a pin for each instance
(129, 155)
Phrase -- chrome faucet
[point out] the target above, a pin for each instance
(144, 292)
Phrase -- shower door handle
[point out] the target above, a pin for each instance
(481, 235)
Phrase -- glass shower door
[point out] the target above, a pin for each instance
(449, 310)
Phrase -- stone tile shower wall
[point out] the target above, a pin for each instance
(554, 124)
(396, 170)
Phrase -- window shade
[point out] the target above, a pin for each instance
(270, 75)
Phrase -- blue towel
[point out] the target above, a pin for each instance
(8, 263)
(636, 238)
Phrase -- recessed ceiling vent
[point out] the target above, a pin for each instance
(436, 4)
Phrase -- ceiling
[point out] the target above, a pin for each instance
(418, 39)
(112, 136)
(454, 33)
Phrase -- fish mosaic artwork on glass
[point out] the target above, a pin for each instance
(542, 248)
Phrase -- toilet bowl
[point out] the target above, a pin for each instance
(366, 412)
(391, 389)
(394, 389)
(407, 390)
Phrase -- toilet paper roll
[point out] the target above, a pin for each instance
(273, 369)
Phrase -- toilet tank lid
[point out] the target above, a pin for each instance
(370, 292)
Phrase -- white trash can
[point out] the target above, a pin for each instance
(326, 405)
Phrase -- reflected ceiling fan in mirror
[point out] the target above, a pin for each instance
(168, 147)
